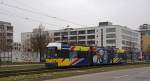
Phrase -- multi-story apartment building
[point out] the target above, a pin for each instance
(105, 34)
(6, 41)
(6, 36)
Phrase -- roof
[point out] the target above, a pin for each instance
(58, 45)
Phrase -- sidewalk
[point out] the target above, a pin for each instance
(137, 74)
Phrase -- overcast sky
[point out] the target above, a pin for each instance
(129, 13)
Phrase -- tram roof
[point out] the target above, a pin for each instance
(58, 45)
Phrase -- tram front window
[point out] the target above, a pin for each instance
(52, 52)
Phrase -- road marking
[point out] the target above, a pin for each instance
(121, 76)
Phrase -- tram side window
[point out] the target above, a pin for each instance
(83, 54)
(63, 54)
(73, 54)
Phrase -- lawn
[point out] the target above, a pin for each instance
(54, 75)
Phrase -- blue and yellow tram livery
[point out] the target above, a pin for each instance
(59, 55)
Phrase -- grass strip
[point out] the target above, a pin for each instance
(54, 75)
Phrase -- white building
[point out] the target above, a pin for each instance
(104, 35)
(25, 40)
(28, 54)
(16, 52)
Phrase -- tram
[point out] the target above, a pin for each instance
(59, 55)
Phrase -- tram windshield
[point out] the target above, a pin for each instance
(52, 52)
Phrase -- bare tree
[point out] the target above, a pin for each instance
(39, 40)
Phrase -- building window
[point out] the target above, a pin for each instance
(110, 41)
(9, 34)
(1, 27)
(91, 42)
(127, 32)
(57, 39)
(102, 37)
(9, 40)
(73, 38)
(81, 32)
(110, 35)
(64, 33)
(1, 34)
(73, 33)
(81, 37)
(91, 37)
(111, 30)
(91, 31)
(9, 28)
(81, 42)
(123, 42)
(57, 34)
(126, 37)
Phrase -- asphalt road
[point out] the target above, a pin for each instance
(138, 74)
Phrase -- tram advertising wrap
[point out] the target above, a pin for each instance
(64, 55)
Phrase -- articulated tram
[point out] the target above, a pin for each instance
(59, 55)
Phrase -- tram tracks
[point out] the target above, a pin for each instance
(45, 70)
(35, 71)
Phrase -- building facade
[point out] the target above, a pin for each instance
(17, 46)
(25, 41)
(104, 35)
(145, 40)
(6, 41)
(16, 52)
(6, 36)
(145, 29)
(28, 53)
